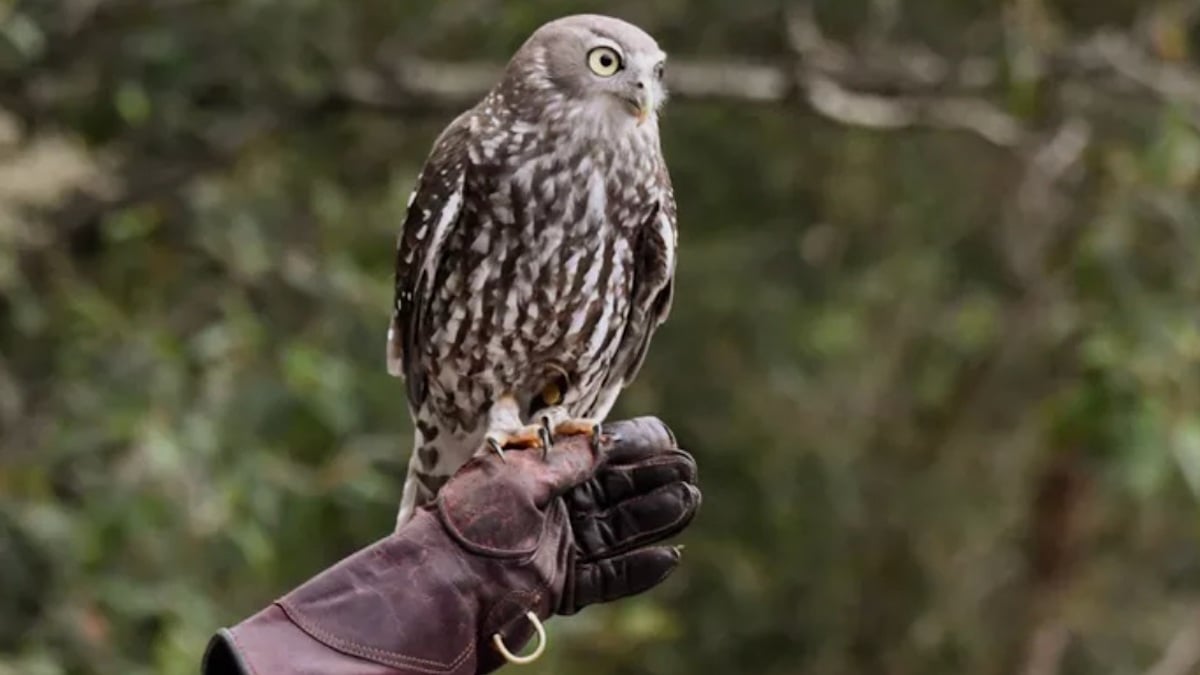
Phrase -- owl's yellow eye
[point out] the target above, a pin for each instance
(604, 61)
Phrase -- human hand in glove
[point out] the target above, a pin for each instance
(510, 541)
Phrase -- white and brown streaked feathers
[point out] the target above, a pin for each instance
(653, 281)
(433, 209)
(436, 208)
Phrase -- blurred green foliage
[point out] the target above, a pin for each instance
(943, 391)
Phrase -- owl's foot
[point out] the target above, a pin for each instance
(551, 423)
(528, 436)
(556, 422)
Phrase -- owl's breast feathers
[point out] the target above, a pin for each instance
(529, 249)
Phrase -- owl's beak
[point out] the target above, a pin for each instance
(644, 112)
(641, 102)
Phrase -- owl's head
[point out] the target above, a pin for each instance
(611, 67)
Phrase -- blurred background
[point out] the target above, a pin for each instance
(935, 341)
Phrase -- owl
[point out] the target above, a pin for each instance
(538, 252)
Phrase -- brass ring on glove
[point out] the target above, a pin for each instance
(498, 642)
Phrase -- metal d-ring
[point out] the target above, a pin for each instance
(498, 643)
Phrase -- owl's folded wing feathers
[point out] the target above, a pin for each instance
(433, 211)
(653, 283)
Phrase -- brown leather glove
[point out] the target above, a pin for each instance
(506, 537)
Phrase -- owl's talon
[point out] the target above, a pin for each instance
(495, 447)
(548, 425)
(499, 440)
(546, 436)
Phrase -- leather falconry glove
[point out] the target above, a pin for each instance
(510, 540)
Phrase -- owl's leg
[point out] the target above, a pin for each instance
(505, 431)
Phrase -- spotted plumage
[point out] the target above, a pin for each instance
(538, 250)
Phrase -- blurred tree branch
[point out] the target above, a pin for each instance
(882, 85)
(886, 86)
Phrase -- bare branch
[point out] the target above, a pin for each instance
(894, 88)
(1175, 82)
(1039, 199)
(896, 112)
(866, 110)
(753, 83)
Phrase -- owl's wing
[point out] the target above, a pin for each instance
(433, 211)
(653, 280)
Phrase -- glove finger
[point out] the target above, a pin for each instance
(572, 461)
(614, 578)
(614, 483)
(632, 440)
(643, 519)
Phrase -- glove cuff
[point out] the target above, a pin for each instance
(409, 603)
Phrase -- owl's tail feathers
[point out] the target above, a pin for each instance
(436, 455)
(414, 498)
(420, 488)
